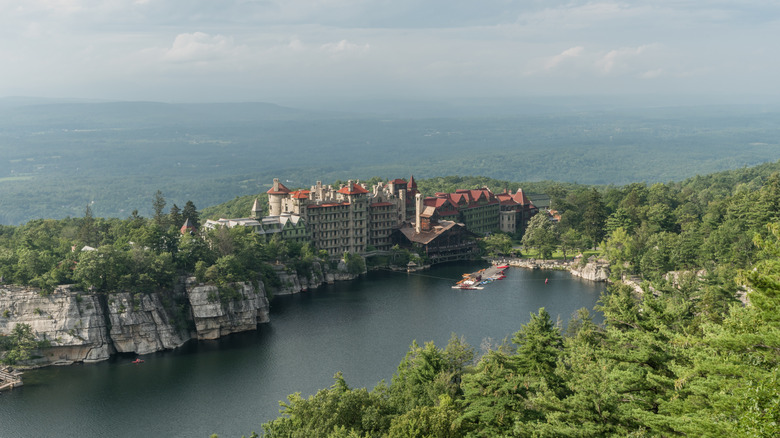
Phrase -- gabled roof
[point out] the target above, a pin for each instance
(426, 237)
(300, 194)
(398, 181)
(429, 211)
(505, 199)
(520, 197)
(282, 190)
(357, 189)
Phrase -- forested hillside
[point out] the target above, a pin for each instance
(59, 157)
(682, 357)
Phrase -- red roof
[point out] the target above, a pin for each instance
(520, 197)
(398, 181)
(327, 205)
(412, 184)
(357, 189)
(300, 194)
(282, 190)
(506, 199)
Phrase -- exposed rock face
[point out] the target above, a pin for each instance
(73, 323)
(215, 316)
(289, 279)
(77, 323)
(140, 324)
(593, 271)
(293, 282)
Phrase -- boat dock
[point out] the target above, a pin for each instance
(10, 379)
(476, 280)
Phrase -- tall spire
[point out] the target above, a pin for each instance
(412, 184)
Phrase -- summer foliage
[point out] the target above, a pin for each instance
(682, 357)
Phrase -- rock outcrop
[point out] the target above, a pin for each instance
(72, 322)
(141, 325)
(293, 282)
(89, 327)
(218, 315)
(593, 270)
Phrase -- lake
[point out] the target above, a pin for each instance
(231, 386)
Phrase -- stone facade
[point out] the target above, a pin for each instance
(351, 218)
(348, 218)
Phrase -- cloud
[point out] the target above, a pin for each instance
(573, 52)
(344, 46)
(200, 47)
(619, 60)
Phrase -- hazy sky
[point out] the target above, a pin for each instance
(280, 51)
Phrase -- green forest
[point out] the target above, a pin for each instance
(693, 353)
(685, 356)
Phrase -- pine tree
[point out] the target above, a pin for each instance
(158, 205)
(191, 213)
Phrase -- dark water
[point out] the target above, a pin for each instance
(231, 386)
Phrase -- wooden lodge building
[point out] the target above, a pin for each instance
(440, 240)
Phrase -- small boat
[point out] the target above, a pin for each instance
(502, 267)
(138, 360)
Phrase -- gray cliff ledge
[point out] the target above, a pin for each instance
(89, 327)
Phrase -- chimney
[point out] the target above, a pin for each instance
(417, 222)
(402, 194)
(276, 184)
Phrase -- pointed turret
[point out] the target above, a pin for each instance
(188, 227)
(520, 197)
(412, 184)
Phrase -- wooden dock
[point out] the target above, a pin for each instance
(477, 279)
(10, 380)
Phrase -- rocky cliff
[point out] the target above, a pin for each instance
(87, 327)
(221, 312)
(140, 324)
(293, 282)
(593, 270)
(74, 323)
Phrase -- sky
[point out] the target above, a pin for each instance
(294, 50)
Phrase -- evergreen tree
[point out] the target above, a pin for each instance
(191, 213)
(175, 217)
(88, 233)
(159, 205)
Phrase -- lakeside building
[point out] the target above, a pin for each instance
(345, 219)
(483, 212)
(351, 218)
(440, 240)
